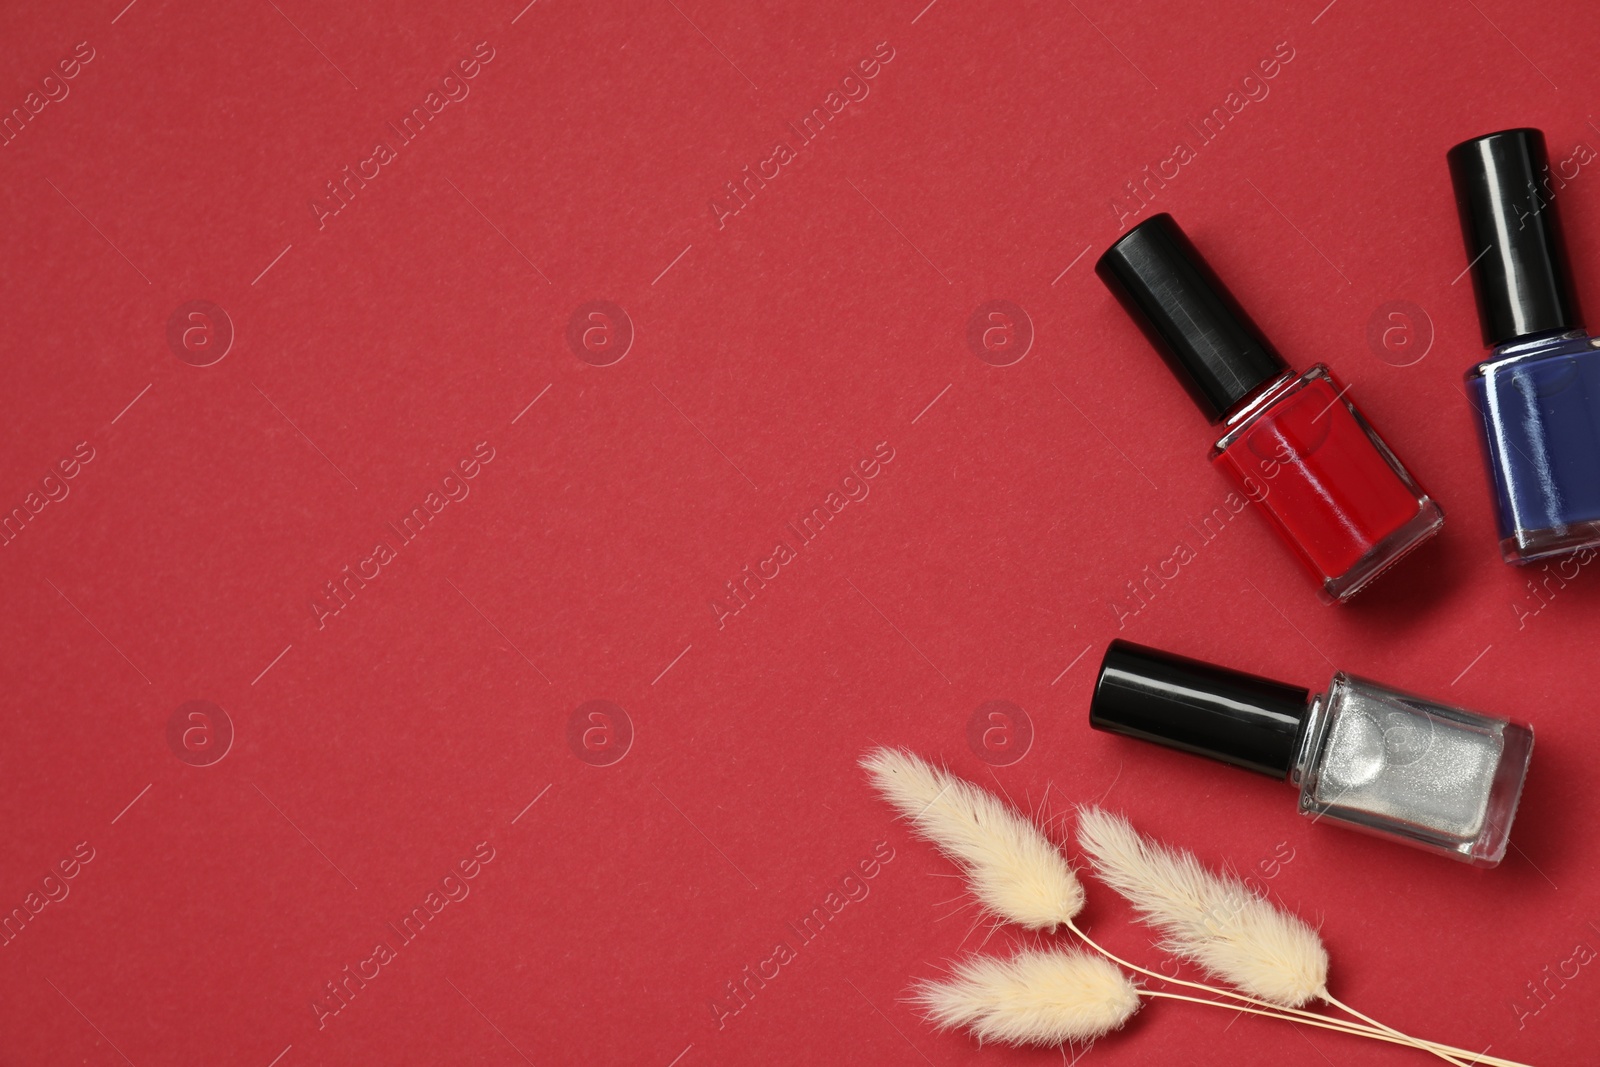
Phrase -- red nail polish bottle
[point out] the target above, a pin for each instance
(1292, 442)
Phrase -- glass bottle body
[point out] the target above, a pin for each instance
(1325, 480)
(1393, 764)
(1538, 408)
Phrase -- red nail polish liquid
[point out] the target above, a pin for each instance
(1328, 484)
(1294, 444)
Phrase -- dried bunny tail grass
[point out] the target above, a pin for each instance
(1212, 919)
(1037, 997)
(1048, 997)
(1012, 867)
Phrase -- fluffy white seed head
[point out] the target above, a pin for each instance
(1037, 997)
(1212, 919)
(1012, 867)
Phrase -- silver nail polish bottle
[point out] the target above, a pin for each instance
(1362, 755)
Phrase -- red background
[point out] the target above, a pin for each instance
(771, 354)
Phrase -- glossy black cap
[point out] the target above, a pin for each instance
(1189, 315)
(1506, 196)
(1182, 703)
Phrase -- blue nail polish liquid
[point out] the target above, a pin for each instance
(1537, 396)
(1538, 403)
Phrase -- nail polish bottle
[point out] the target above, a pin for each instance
(1537, 395)
(1293, 443)
(1362, 755)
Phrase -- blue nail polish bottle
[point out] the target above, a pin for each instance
(1538, 394)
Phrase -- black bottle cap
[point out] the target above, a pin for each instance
(1182, 703)
(1506, 196)
(1189, 315)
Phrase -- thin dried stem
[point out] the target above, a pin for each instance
(1262, 1007)
(1354, 1029)
(1323, 1021)
(1329, 997)
(1473, 1059)
(1215, 990)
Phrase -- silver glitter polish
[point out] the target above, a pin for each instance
(1362, 755)
(1394, 764)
